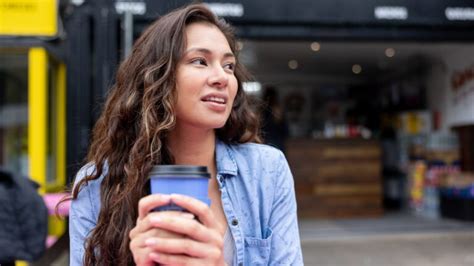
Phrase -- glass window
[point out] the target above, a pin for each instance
(14, 110)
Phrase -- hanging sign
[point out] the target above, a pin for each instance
(136, 8)
(28, 17)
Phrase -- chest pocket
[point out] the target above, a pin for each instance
(257, 250)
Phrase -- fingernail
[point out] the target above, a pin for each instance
(150, 242)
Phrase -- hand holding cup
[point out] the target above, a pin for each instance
(166, 231)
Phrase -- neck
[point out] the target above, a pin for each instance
(193, 146)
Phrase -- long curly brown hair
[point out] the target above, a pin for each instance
(130, 135)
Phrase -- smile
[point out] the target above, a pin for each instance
(214, 99)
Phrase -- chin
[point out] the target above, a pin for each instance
(217, 122)
(219, 125)
(209, 124)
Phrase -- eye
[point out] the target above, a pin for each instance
(199, 61)
(230, 67)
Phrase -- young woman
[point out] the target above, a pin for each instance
(178, 99)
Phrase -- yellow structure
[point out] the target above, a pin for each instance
(45, 124)
(37, 115)
(44, 157)
(28, 17)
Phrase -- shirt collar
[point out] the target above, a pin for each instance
(225, 162)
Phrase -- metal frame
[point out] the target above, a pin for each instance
(37, 115)
(38, 125)
(335, 20)
(78, 94)
(92, 42)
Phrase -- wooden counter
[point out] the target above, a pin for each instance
(336, 178)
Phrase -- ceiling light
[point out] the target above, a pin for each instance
(293, 64)
(315, 46)
(389, 52)
(356, 69)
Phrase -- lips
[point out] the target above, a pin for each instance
(217, 102)
(215, 98)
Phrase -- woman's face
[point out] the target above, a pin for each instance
(206, 85)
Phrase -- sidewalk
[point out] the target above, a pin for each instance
(395, 239)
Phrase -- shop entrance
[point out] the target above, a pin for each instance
(370, 124)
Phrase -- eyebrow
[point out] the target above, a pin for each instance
(207, 51)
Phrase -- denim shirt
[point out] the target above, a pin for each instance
(258, 199)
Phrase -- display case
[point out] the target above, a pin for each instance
(336, 178)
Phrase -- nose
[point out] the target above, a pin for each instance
(218, 77)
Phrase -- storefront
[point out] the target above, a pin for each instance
(382, 70)
(369, 81)
(377, 94)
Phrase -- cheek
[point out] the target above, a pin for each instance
(187, 92)
(183, 102)
(233, 90)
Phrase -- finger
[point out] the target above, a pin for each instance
(148, 203)
(141, 256)
(191, 228)
(199, 208)
(184, 246)
(174, 259)
(139, 240)
(145, 224)
(140, 250)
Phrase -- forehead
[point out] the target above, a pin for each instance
(205, 35)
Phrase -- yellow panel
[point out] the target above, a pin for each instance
(28, 17)
(61, 125)
(37, 114)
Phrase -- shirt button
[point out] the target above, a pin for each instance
(235, 222)
(221, 179)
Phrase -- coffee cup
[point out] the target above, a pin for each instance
(189, 180)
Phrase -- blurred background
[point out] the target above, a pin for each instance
(371, 101)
